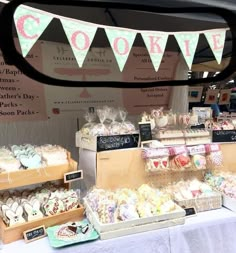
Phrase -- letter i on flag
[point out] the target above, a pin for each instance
(80, 36)
(30, 25)
(188, 44)
(156, 44)
(216, 40)
(121, 42)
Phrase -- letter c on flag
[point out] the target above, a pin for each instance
(21, 26)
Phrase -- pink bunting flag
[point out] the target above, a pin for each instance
(80, 36)
(30, 24)
(156, 44)
(188, 44)
(216, 40)
(121, 42)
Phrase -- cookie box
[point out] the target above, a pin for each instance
(19, 178)
(105, 143)
(229, 203)
(105, 228)
(203, 203)
(14, 233)
(141, 228)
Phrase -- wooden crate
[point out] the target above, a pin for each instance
(14, 233)
(35, 176)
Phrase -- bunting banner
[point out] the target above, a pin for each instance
(80, 36)
(155, 43)
(121, 42)
(216, 40)
(188, 44)
(30, 25)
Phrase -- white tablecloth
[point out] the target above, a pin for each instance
(208, 232)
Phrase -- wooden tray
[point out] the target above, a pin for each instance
(14, 233)
(35, 176)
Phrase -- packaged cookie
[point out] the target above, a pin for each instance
(100, 128)
(198, 157)
(179, 158)
(90, 118)
(126, 126)
(115, 126)
(214, 156)
(156, 159)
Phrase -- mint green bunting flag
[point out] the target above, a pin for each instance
(121, 42)
(30, 25)
(80, 36)
(216, 40)
(188, 44)
(156, 44)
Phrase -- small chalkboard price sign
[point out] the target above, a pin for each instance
(190, 211)
(34, 234)
(200, 126)
(224, 136)
(73, 176)
(145, 132)
(113, 142)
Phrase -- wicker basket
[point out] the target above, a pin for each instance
(203, 203)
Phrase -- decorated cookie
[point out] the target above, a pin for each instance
(53, 206)
(15, 217)
(199, 161)
(33, 210)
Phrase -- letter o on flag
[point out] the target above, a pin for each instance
(86, 41)
(116, 45)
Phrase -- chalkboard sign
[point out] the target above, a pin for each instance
(190, 211)
(145, 131)
(113, 142)
(35, 234)
(73, 176)
(200, 126)
(224, 136)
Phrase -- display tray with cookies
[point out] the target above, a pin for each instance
(15, 232)
(20, 178)
(48, 205)
(142, 209)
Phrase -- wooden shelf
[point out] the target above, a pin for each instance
(35, 176)
(14, 233)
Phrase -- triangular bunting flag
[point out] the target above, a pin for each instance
(80, 36)
(121, 42)
(30, 25)
(156, 44)
(188, 44)
(216, 40)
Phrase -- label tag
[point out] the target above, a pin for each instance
(190, 211)
(34, 234)
(145, 131)
(73, 176)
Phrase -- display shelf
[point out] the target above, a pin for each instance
(34, 176)
(14, 233)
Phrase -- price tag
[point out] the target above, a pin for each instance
(190, 211)
(145, 131)
(34, 234)
(73, 176)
